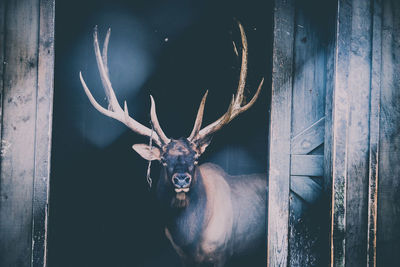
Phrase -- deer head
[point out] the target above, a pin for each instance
(179, 157)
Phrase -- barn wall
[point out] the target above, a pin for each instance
(365, 135)
(297, 232)
(26, 53)
(388, 148)
(354, 88)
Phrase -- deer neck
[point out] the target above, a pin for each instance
(186, 224)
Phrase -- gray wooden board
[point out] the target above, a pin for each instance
(307, 131)
(306, 188)
(309, 139)
(351, 133)
(43, 132)
(388, 234)
(18, 132)
(339, 129)
(2, 63)
(279, 159)
(307, 165)
(327, 178)
(357, 161)
(374, 131)
(308, 72)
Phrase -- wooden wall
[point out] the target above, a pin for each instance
(365, 178)
(355, 73)
(26, 84)
(296, 236)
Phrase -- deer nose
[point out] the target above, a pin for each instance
(181, 180)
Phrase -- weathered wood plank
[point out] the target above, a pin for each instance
(2, 63)
(306, 188)
(351, 133)
(19, 112)
(43, 132)
(339, 126)
(279, 154)
(358, 83)
(374, 132)
(307, 165)
(388, 234)
(308, 125)
(309, 139)
(309, 70)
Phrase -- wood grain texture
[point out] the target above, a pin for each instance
(306, 188)
(388, 234)
(339, 130)
(307, 165)
(309, 139)
(351, 133)
(18, 132)
(308, 131)
(374, 132)
(2, 47)
(279, 154)
(44, 116)
(358, 83)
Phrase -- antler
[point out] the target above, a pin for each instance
(235, 107)
(114, 110)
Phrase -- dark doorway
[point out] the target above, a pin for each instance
(102, 212)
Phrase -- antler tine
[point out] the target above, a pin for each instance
(221, 122)
(105, 51)
(243, 69)
(114, 109)
(236, 105)
(199, 118)
(156, 124)
(103, 70)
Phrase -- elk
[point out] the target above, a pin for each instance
(211, 216)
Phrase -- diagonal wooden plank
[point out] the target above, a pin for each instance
(306, 188)
(309, 139)
(309, 165)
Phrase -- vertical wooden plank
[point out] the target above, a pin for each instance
(18, 132)
(351, 100)
(2, 47)
(358, 86)
(309, 70)
(309, 87)
(374, 132)
(339, 129)
(388, 234)
(279, 156)
(328, 144)
(43, 132)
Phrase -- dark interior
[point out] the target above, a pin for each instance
(102, 211)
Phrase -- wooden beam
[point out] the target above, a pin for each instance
(388, 217)
(351, 101)
(44, 117)
(374, 132)
(309, 139)
(18, 131)
(280, 131)
(307, 165)
(306, 188)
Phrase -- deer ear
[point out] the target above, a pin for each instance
(145, 152)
